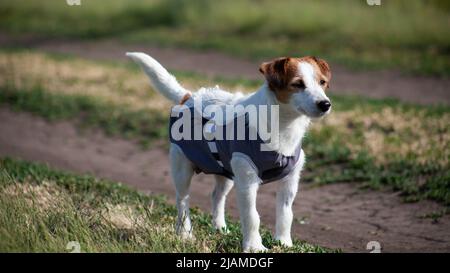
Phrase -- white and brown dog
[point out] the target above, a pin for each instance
(297, 86)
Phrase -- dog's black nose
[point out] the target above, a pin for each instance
(324, 105)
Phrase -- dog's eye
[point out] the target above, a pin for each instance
(299, 84)
(322, 82)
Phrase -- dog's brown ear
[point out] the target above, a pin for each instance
(277, 72)
(324, 67)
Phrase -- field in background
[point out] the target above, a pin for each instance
(374, 143)
(413, 36)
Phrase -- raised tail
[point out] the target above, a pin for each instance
(160, 78)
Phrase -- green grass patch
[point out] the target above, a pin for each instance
(408, 35)
(143, 125)
(42, 210)
(379, 144)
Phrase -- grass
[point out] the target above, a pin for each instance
(409, 35)
(374, 143)
(436, 215)
(115, 120)
(391, 144)
(42, 210)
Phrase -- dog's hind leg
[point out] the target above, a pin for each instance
(219, 195)
(182, 172)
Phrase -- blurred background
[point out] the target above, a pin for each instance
(377, 168)
(411, 35)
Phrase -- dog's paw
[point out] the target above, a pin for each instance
(222, 229)
(186, 235)
(255, 248)
(284, 241)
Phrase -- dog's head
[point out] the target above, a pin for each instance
(300, 83)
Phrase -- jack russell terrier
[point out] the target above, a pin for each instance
(296, 87)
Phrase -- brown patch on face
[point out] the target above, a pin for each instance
(283, 77)
(279, 74)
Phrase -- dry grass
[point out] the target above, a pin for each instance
(392, 132)
(43, 197)
(123, 216)
(27, 70)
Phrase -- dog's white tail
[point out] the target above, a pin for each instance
(160, 78)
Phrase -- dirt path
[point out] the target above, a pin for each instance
(337, 216)
(381, 84)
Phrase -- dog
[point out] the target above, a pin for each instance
(297, 87)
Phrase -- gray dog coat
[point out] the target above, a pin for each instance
(213, 156)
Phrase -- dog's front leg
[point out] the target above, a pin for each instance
(247, 184)
(285, 197)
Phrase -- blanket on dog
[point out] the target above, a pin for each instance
(212, 155)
